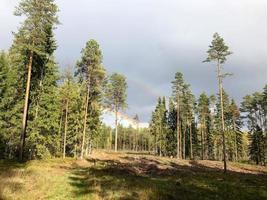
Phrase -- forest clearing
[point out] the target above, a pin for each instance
(110, 175)
(123, 99)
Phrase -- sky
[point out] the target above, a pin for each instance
(149, 40)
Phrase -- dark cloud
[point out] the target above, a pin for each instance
(149, 40)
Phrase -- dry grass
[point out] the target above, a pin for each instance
(109, 175)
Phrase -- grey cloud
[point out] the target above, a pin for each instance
(150, 40)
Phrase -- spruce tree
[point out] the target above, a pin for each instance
(171, 138)
(4, 71)
(253, 106)
(43, 139)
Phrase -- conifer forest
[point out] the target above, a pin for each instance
(71, 131)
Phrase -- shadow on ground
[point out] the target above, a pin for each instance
(147, 178)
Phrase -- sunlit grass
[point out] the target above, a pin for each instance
(129, 176)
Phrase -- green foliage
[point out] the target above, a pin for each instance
(218, 50)
(184, 102)
(171, 138)
(200, 126)
(116, 92)
(70, 105)
(44, 115)
(256, 148)
(91, 74)
(74, 105)
(254, 108)
(4, 70)
(158, 126)
(204, 123)
(40, 20)
(35, 36)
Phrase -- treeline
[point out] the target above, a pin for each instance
(129, 139)
(47, 114)
(199, 127)
(199, 134)
(42, 113)
(211, 127)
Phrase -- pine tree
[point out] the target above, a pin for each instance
(187, 112)
(116, 98)
(91, 72)
(184, 101)
(68, 97)
(229, 127)
(136, 119)
(234, 113)
(177, 91)
(203, 119)
(218, 52)
(30, 52)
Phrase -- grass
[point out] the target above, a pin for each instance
(130, 176)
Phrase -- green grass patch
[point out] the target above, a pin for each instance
(127, 176)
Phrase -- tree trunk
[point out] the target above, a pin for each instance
(124, 141)
(60, 124)
(265, 152)
(87, 148)
(180, 140)
(85, 120)
(184, 142)
(191, 145)
(222, 116)
(156, 144)
(137, 135)
(66, 127)
(177, 127)
(26, 107)
(116, 129)
(75, 146)
(141, 143)
(110, 139)
(236, 153)
(134, 141)
(202, 142)
(160, 150)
